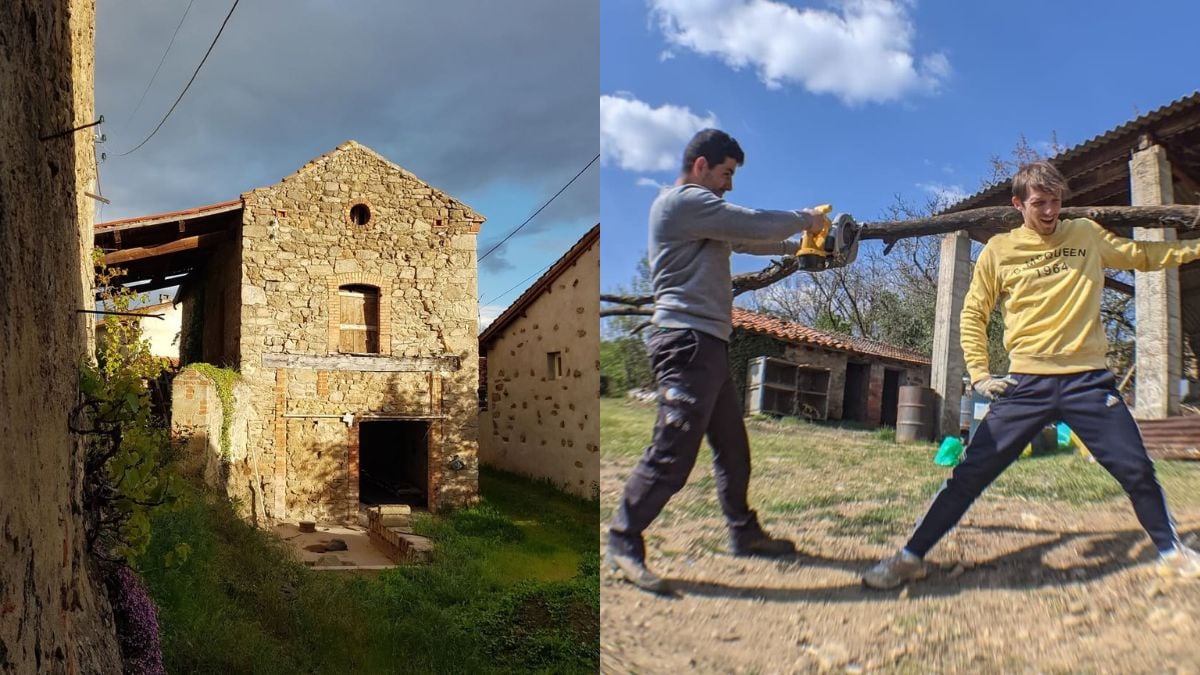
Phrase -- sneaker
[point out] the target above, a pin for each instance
(895, 571)
(764, 546)
(634, 571)
(1179, 562)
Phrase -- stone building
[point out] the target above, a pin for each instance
(540, 386)
(1151, 160)
(816, 374)
(55, 616)
(345, 296)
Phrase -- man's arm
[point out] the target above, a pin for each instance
(1143, 256)
(788, 247)
(976, 311)
(704, 215)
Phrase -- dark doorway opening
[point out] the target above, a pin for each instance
(854, 399)
(891, 397)
(393, 463)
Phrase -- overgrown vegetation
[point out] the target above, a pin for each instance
(126, 444)
(223, 379)
(514, 586)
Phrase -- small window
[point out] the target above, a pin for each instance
(553, 365)
(358, 329)
(360, 215)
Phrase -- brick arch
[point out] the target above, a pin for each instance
(385, 286)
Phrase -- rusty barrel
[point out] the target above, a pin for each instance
(914, 414)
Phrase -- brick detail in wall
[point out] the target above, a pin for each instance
(280, 486)
(352, 455)
(386, 288)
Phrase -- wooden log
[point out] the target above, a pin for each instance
(1183, 217)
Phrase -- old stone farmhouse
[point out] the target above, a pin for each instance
(540, 385)
(345, 296)
(787, 368)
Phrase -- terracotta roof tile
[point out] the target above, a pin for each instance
(790, 331)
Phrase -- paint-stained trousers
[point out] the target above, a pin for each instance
(696, 398)
(1091, 405)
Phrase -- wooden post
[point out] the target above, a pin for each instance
(954, 277)
(1159, 331)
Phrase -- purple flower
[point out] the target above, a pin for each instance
(137, 625)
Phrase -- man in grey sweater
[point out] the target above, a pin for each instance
(693, 232)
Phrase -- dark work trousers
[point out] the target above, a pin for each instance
(1091, 405)
(696, 397)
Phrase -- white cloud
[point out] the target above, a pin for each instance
(488, 314)
(651, 183)
(861, 53)
(666, 55)
(636, 137)
(945, 195)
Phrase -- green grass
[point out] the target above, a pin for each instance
(802, 466)
(514, 585)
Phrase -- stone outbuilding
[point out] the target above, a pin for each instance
(345, 296)
(540, 382)
(1151, 160)
(786, 368)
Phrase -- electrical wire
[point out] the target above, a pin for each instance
(189, 84)
(556, 194)
(515, 286)
(160, 65)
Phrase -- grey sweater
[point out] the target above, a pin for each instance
(693, 232)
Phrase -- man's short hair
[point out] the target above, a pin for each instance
(715, 146)
(1041, 175)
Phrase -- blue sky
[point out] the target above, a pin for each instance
(494, 103)
(853, 103)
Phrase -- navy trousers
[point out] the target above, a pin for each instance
(1091, 405)
(696, 398)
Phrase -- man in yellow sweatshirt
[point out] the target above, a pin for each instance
(1048, 274)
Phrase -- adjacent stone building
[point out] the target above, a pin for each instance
(54, 613)
(540, 386)
(345, 296)
(821, 375)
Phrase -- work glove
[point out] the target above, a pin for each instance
(993, 388)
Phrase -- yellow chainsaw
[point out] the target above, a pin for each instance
(833, 244)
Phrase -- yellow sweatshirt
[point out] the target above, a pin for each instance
(1050, 288)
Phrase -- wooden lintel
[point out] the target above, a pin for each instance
(375, 364)
(142, 252)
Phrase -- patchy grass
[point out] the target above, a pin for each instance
(514, 586)
(871, 485)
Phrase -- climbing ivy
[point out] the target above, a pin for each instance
(744, 346)
(223, 379)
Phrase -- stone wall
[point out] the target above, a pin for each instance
(300, 243)
(835, 361)
(54, 615)
(538, 425)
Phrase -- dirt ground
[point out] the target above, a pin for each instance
(1020, 586)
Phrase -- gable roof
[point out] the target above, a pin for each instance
(354, 146)
(790, 331)
(544, 282)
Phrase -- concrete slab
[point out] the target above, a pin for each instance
(360, 553)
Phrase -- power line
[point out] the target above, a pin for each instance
(556, 194)
(160, 64)
(189, 84)
(495, 298)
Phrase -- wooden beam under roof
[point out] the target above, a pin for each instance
(185, 244)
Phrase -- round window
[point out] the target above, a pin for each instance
(360, 215)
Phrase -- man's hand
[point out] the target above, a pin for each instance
(820, 218)
(993, 388)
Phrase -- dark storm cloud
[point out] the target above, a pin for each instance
(461, 93)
